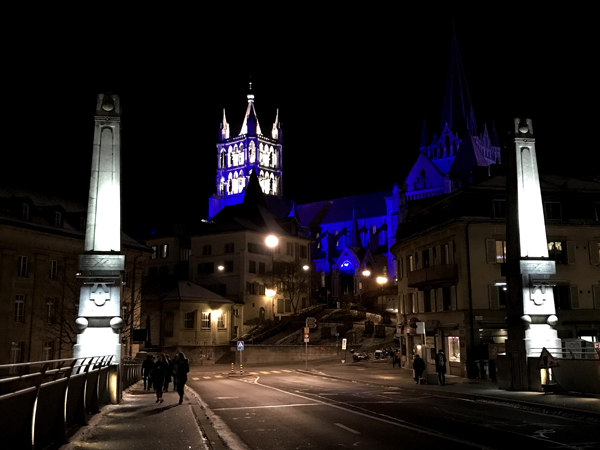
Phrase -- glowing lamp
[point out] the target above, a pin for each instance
(366, 273)
(305, 267)
(382, 280)
(271, 241)
(270, 292)
(221, 267)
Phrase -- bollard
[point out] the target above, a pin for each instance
(241, 369)
(232, 369)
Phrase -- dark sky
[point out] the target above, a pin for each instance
(352, 88)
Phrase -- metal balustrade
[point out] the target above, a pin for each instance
(40, 401)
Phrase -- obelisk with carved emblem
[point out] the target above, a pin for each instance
(102, 264)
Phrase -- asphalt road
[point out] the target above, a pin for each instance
(279, 409)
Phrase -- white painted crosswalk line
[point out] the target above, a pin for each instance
(346, 428)
(195, 378)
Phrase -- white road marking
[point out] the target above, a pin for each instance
(225, 398)
(195, 379)
(266, 406)
(346, 428)
(385, 419)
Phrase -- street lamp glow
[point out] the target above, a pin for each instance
(382, 280)
(366, 273)
(305, 267)
(270, 292)
(271, 241)
(221, 267)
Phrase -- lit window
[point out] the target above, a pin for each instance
(164, 250)
(500, 251)
(557, 251)
(22, 268)
(154, 254)
(57, 219)
(19, 313)
(453, 349)
(221, 322)
(54, 269)
(189, 320)
(206, 321)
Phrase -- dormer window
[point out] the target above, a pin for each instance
(25, 212)
(57, 219)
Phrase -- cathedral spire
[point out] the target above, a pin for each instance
(224, 128)
(457, 111)
(250, 125)
(424, 136)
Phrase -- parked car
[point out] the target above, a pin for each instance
(360, 356)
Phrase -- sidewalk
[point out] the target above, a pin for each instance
(586, 407)
(138, 422)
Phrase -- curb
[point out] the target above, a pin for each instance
(576, 414)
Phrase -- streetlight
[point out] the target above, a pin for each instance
(271, 241)
(271, 293)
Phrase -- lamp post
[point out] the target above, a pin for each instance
(381, 281)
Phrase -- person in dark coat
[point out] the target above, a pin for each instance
(168, 373)
(158, 377)
(147, 367)
(182, 367)
(172, 362)
(440, 367)
(418, 367)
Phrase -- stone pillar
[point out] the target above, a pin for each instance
(102, 264)
(531, 310)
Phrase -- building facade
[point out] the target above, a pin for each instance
(40, 240)
(452, 255)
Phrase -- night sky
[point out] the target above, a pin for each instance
(352, 88)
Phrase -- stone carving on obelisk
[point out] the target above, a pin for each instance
(531, 310)
(102, 264)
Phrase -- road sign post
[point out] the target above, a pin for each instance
(344, 342)
(240, 347)
(306, 339)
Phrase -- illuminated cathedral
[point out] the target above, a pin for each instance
(352, 236)
(240, 155)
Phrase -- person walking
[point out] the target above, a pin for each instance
(418, 367)
(172, 365)
(168, 373)
(147, 367)
(182, 368)
(158, 377)
(440, 367)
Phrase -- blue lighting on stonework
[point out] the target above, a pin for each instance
(347, 267)
(153, 232)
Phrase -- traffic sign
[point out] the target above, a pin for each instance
(547, 361)
(311, 322)
(240, 346)
(306, 334)
(344, 343)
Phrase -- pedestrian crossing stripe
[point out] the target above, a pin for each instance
(264, 372)
(218, 376)
(275, 371)
(253, 373)
(287, 371)
(206, 378)
(195, 379)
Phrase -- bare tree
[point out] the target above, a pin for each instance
(292, 280)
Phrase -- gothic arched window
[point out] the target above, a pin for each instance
(252, 152)
(235, 183)
(230, 159)
(222, 186)
(223, 159)
(229, 184)
(242, 181)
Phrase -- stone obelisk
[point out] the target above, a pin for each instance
(531, 310)
(101, 265)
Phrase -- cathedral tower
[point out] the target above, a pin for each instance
(239, 156)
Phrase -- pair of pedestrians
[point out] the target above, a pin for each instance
(440, 367)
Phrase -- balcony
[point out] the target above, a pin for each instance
(434, 276)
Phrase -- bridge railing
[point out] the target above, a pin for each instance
(40, 401)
